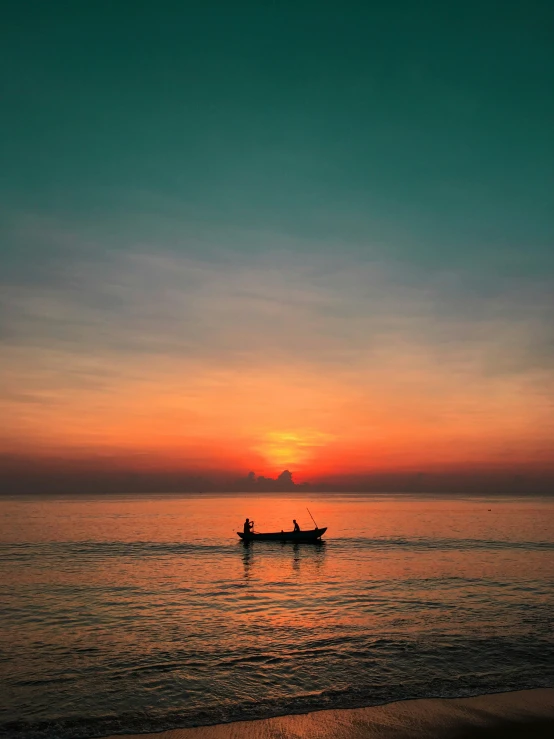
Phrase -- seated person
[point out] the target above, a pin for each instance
(248, 526)
(296, 526)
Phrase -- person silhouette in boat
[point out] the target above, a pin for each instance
(248, 526)
(296, 526)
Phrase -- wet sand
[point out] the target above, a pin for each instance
(523, 714)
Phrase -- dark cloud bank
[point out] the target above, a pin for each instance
(24, 477)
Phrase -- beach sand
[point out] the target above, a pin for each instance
(525, 713)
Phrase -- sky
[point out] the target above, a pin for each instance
(254, 236)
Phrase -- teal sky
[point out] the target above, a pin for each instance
(379, 163)
(425, 128)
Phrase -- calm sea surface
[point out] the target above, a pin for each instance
(138, 614)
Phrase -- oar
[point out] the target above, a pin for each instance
(313, 519)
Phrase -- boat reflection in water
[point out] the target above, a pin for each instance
(275, 555)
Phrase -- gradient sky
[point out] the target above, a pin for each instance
(311, 235)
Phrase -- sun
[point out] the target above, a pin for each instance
(284, 449)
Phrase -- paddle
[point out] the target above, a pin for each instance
(313, 519)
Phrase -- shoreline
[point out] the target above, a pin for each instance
(513, 715)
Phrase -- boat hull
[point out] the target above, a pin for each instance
(297, 536)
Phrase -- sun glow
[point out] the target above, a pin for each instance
(291, 448)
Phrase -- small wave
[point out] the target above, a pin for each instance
(103, 549)
(436, 544)
(157, 720)
(94, 550)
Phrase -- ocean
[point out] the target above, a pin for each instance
(124, 614)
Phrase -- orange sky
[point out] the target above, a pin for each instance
(404, 412)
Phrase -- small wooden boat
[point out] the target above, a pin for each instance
(305, 536)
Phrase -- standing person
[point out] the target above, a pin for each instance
(248, 526)
(296, 526)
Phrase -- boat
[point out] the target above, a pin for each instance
(312, 536)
